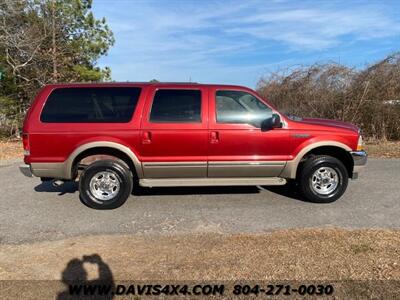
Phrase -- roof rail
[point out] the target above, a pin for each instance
(173, 82)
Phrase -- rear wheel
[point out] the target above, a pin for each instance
(323, 179)
(105, 184)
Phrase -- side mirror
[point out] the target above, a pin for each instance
(272, 122)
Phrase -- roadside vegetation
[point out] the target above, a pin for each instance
(11, 150)
(383, 149)
(348, 259)
(368, 97)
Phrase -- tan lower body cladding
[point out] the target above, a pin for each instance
(228, 181)
(181, 169)
(225, 173)
(212, 169)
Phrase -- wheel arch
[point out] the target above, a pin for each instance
(332, 148)
(103, 148)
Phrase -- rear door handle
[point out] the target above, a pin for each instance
(214, 137)
(146, 137)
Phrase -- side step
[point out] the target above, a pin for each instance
(159, 182)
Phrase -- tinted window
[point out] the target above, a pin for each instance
(90, 105)
(176, 106)
(240, 107)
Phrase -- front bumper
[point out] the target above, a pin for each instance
(360, 160)
(26, 170)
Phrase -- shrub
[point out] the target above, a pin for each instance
(369, 97)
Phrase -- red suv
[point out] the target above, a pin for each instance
(113, 135)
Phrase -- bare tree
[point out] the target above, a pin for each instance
(369, 97)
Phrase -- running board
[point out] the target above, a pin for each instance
(160, 182)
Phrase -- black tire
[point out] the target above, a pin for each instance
(306, 177)
(118, 171)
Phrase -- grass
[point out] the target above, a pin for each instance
(382, 149)
(296, 254)
(362, 247)
(320, 255)
(11, 150)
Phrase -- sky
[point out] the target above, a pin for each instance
(238, 42)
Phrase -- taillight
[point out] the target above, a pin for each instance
(25, 142)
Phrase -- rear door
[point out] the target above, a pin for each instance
(174, 132)
(237, 146)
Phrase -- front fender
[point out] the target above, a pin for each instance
(290, 169)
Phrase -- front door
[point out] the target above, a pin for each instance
(237, 146)
(174, 132)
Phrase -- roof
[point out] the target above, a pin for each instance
(127, 83)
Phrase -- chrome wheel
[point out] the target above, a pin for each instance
(105, 185)
(324, 180)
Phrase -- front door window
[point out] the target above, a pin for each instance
(237, 107)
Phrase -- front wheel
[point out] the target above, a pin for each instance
(105, 184)
(323, 179)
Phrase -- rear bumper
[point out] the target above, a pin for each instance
(360, 160)
(26, 170)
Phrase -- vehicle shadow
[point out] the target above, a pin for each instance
(198, 190)
(75, 274)
(72, 187)
(68, 187)
(289, 190)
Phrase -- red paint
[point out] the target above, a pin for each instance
(208, 140)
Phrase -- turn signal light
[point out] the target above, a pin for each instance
(360, 143)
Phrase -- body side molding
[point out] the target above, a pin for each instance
(187, 169)
(245, 168)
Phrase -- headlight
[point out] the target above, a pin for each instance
(360, 143)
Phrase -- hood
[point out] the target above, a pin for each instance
(331, 123)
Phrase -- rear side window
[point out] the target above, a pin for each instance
(90, 105)
(176, 106)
